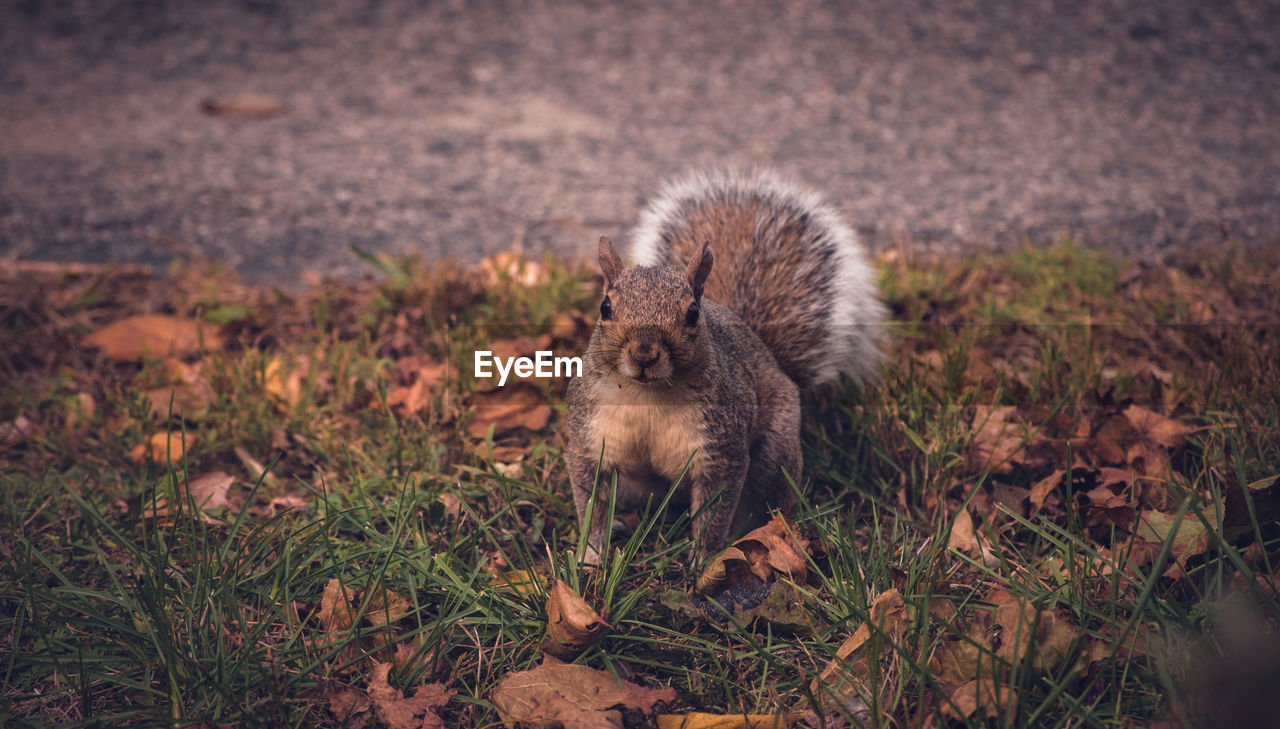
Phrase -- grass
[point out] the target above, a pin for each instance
(116, 609)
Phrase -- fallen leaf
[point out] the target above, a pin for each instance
(162, 447)
(352, 707)
(1044, 635)
(1154, 427)
(521, 405)
(762, 552)
(187, 394)
(572, 625)
(966, 539)
(337, 613)
(18, 430)
(209, 492)
(569, 326)
(729, 568)
(1041, 489)
(399, 712)
(967, 698)
(842, 686)
(1188, 536)
(386, 606)
(284, 380)
(995, 440)
(244, 106)
(699, 720)
(410, 656)
(127, 340)
(526, 582)
(573, 695)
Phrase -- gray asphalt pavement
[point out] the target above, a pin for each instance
(461, 129)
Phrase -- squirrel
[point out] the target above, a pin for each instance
(744, 289)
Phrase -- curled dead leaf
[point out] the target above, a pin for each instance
(573, 695)
(521, 405)
(763, 552)
(573, 626)
(127, 340)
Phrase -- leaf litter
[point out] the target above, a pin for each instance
(1111, 452)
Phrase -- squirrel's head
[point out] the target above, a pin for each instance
(650, 316)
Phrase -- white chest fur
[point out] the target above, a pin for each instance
(648, 436)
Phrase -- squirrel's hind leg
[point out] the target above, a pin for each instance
(775, 454)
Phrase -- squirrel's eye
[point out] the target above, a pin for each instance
(606, 309)
(691, 316)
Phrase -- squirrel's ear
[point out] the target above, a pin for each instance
(610, 261)
(700, 268)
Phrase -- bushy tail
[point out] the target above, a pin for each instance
(784, 261)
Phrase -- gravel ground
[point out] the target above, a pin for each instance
(461, 130)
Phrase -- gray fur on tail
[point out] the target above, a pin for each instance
(785, 262)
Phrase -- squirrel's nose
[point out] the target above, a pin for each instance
(644, 355)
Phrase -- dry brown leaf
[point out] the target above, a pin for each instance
(1156, 428)
(244, 106)
(775, 547)
(126, 340)
(700, 720)
(521, 405)
(842, 684)
(575, 696)
(410, 656)
(398, 712)
(1041, 489)
(209, 492)
(762, 552)
(337, 613)
(17, 431)
(572, 625)
(409, 400)
(956, 660)
(284, 380)
(386, 606)
(187, 392)
(1045, 635)
(352, 707)
(527, 582)
(970, 696)
(162, 447)
(730, 567)
(966, 539)
(1189, 540)
(997, 442)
